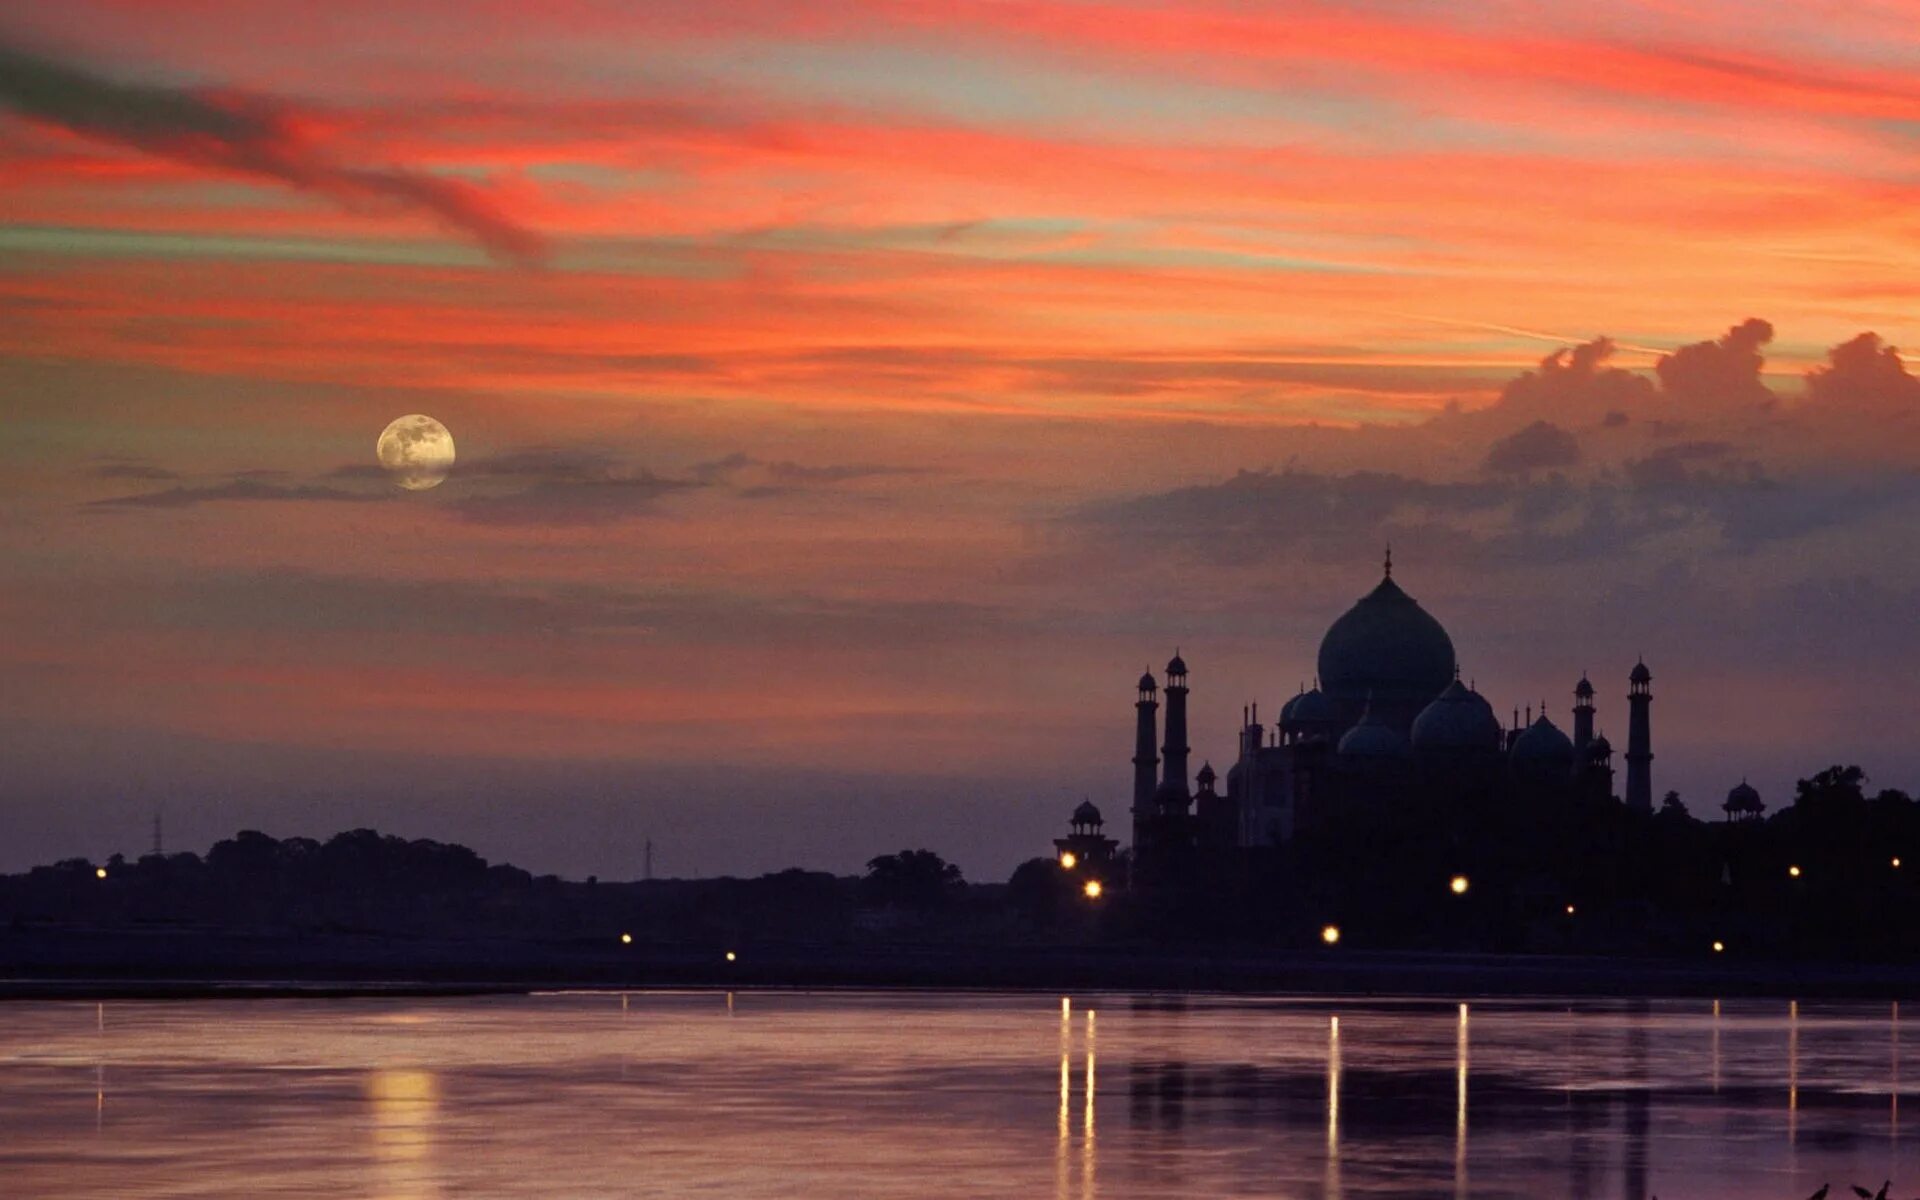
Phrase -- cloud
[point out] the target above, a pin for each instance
(243, 134)
(1540, 446)
(760, 479)
(1864, 373)
(238, 489)
(1674, 466)
(1719, 374)
(133, 468)
(1577, 381)
(792, 472)
(563, 500)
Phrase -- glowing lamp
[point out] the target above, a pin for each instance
(1569, 910)
(1794, 872)
(1719, 946)
(1458, 885)
(1330, 935)
(1093, 889)
(626, 939)
(99, 872)
(1069, 859)
(731, 956)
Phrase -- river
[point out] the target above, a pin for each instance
(874, 1094)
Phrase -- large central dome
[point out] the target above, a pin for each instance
(1386, 649)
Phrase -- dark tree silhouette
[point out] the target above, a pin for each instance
(917, 879)
(1039, 888)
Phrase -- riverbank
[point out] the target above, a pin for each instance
(100, 963)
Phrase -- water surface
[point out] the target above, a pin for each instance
(779, 1094)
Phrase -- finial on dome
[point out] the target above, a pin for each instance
(1389, 560)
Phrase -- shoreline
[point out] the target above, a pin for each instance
(95, 964)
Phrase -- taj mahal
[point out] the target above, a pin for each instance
(1388, 717)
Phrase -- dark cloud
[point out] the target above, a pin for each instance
(721, 469)
(1577, 381)
(760, 479)
(1539, 446)
(549, 464)
(361, 471)
(1516, 521)
(792, 472)
(239, 489)
(1724, 373)
(540, 485)
(1687, 463)
(562, 500)
(129, 468)
(1252, 515)
(242, 134)
(1864, 373)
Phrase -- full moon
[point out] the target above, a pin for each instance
(417, 451)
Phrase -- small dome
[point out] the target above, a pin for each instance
(1176, 665)
(1309, 708)
(1206, 774)
(1541, 746)
(1583, 689)
(1287, 709)
(1599, 748)
(1640, 674)
(1086, 814)
(1744, 798)
(1458, 719)
(1373, 738)
(1147, 683)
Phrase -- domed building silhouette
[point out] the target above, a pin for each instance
(1387, 720)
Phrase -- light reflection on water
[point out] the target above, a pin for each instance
(757, 1094)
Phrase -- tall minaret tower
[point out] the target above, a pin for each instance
(1144, 759)
(1640, 739)
(1174, 753)
(1582, 717)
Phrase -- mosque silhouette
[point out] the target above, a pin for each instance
(1388, 718)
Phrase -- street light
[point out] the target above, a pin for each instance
(1330, 935)
(626, 939)
(1458, 884)
(1719, 946)
(1794, 871)
(1093, 889)
(1569, 910)
(1069, 859)
(99, 872)
(731, 956)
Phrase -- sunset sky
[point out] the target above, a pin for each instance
(853, 398)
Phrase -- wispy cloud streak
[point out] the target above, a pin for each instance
(243, 134)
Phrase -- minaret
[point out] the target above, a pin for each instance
(1582, 717)
(1640, 739)
(1174, 752)
(1144, 760)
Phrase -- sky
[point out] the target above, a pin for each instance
(853, 398)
